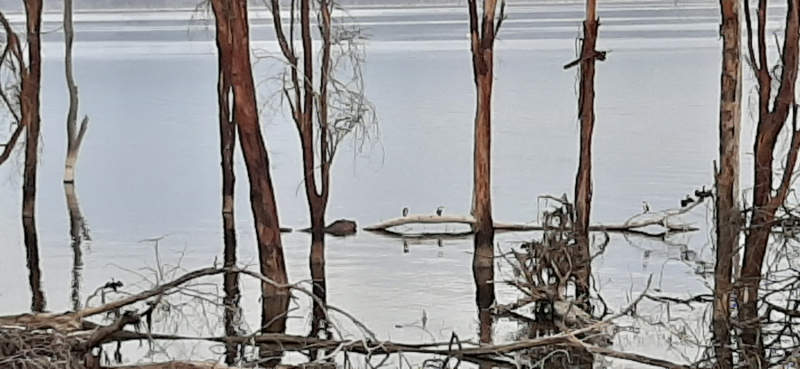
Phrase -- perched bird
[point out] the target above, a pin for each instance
(645, 206)
(405, 212)
(113, 285)
(702, 193)
(439, 242)
(685, 202)
(439, 210)
(405, 247)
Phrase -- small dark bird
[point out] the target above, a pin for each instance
(439, 210)
(685, 202)
(405, 247)
(702, 193)
(645, 206)
(405, 212)
(113, 285)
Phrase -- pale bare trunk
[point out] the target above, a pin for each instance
(74, 134)
(78, 232)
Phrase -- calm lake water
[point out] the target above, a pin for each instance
(150, 163)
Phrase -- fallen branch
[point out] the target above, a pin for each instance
(627, 227)
(8, 147)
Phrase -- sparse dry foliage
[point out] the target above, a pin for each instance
(333, 109)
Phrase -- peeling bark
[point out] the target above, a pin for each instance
(728, 218)
(275, 300)
(482, 38)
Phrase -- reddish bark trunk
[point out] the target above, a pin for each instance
(583, 180)
(765, 204)
(482, 36)
(275, 299)
(316, 262)
(34, 272)
(317, 191)
(30, 97)
(483, 274)
(227, 131)
(727, 210)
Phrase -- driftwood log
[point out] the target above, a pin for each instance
(634, 225)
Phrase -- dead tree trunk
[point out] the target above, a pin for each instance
(772, 118)
(74, 134)
(30, 96)
(78, 232)
(317, 137)
(32, 257)
(275, 299)
(319, 321)
(727, 210)
(583, 180)
(27, 119)
(482, 36)
(483, 274)
(227, 134)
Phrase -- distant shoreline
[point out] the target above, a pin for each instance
(399, 5)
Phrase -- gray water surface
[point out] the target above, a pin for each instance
(150, 163)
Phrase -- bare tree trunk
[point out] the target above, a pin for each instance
(227, 133)
(483, 274)
(74, 135)
(30, 105)
(262, 199)
(34, 272)
(728, 216)
(78, 233)
(766, 198)
(319, 321)
(583, 181)
(482, 35)
(29, 97)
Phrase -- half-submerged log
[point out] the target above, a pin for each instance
(339, 228)
(635, 225)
